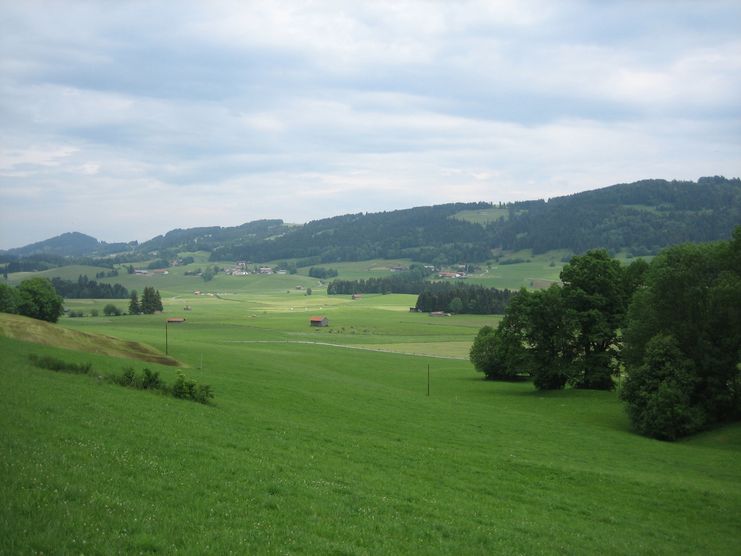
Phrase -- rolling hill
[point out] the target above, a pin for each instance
(639, 218)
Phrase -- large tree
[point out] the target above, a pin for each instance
(9, 299)
(134, 307)
(497, 354)
(538, 332)
(39, 300)
(693, 297)
(594, 293)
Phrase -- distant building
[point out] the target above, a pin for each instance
(439, 314)
(319, 321)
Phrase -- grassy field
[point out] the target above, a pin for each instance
(324, 441)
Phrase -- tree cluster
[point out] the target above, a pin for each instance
(149, 303)
(322, 273)
(35, 298)
(409, 281)
(85, 288)
(462, 298)
(683, 341)
(565, 334)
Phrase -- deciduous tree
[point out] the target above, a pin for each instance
(39, 300)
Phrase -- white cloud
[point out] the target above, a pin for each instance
(228, 111)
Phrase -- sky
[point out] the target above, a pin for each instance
(124, 120)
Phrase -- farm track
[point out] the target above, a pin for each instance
(345, 346)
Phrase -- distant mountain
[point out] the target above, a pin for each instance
(69, 244)
(640, 217)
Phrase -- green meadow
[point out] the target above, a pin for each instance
(325, 440)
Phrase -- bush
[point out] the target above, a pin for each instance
(126, 378)
(58, 365)
(147, 381)
(110, 310)
(184, 388)
(188, 389)
(151, 381)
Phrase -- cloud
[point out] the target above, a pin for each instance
(187, 114)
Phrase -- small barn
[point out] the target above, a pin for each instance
(319, 321)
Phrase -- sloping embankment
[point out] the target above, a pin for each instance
(41, 332)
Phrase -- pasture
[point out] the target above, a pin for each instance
(323, 440)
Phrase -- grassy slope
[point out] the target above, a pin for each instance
(319, 449)
(40, 332)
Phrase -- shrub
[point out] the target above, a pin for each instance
(188, 389)
(151, 381)
(54, 364)
(110, 310)
(126, 378)
(148, 380)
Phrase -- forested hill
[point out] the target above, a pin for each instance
(69, 244)
(640, 217)
(422, 234)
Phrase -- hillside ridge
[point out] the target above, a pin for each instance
(640, 217)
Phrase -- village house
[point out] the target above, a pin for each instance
(319, 321)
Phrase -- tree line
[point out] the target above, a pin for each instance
(84, 288)
(322, 273)
(673, 326)
(462, 298)
(408, 281)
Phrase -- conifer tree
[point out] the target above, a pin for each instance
(134, 307)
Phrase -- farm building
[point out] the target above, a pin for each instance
(319, 321)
